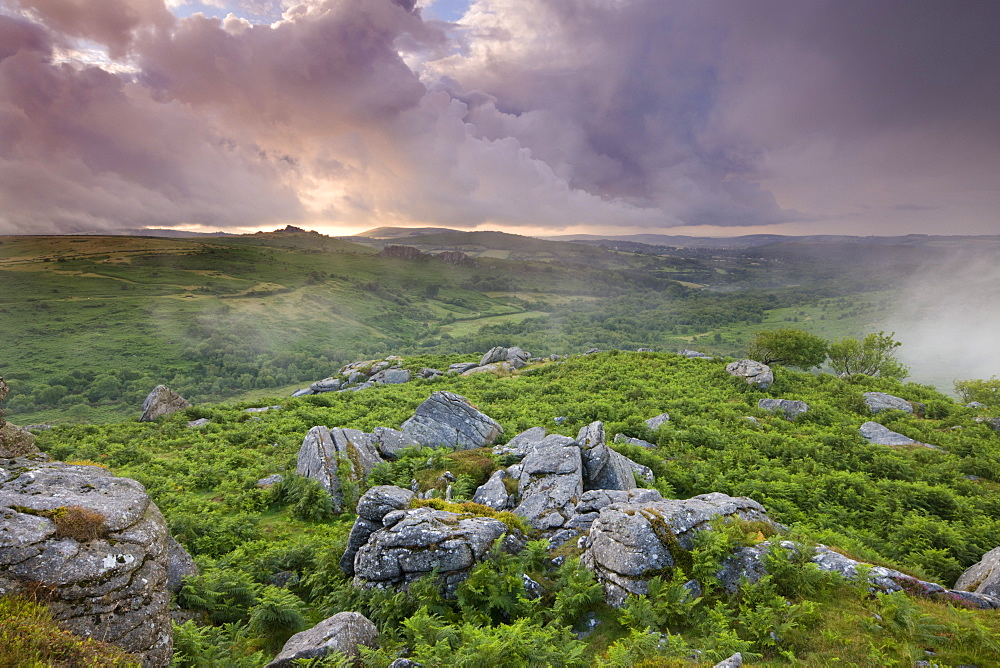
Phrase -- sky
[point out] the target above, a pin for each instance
(871, 117)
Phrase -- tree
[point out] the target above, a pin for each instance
(984, 391)
(873, 356)
(791, 347)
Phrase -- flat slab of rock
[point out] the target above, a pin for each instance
(882, 435)
(638, 442)
(162, 401)
(449, 419)
(391, 377)
(629, 543)
(791, 408)
(344, 632)
(522, 444)
(754, 373)
(880, 401)
(108, 583)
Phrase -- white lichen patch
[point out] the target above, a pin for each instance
(112, 560)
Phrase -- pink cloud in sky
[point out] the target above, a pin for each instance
(632, 114)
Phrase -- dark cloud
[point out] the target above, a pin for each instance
(535, 113)
(81, 148)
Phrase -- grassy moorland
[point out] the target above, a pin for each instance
(269, 558)
(91, 324)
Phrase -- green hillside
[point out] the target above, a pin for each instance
(90, 324)
(930, 513)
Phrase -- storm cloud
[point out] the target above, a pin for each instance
(533, 114)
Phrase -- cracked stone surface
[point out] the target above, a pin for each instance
(449, 419)
(112, 588)
(162, 401)
(632, 541)
(414, 542)
(754, 373)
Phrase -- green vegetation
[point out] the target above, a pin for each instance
(873, 356)
(29, 636)
(984, 391)
(789, 347)
(270, 564)
(91, 324)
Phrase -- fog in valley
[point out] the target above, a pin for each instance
(948, 321)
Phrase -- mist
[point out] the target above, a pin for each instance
(948, 322)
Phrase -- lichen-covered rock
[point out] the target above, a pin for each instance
(345, 632)
(493, 492)
(449, 419)
(693, 354)
(323, 451)
(629, 543)
(517, 357)
(882, 435)
(461, 367)
(330, 384)
(95, 544)
(550, 483)
(390, 441)
(754, 373)
(162, 401)
(880, 401)
(496, 354)
(415, 542)
(791, 408)
(391, 377)
(15, 441)
(734, 661)
(496, 368)
(603, 468)
(180, 565)
(982, 577)
(638, 442)
(317, 459)
(657, 421)
(522, 444)
(373, 506)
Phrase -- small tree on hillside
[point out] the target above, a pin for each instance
(984, 391)
(791, 347)
(875, 355)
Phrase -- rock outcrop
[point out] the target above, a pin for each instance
(631, 542)
(493, 493)
(94, 546)
(417, 541)
(982, 577)
(749, 563)
(162, 401)
(603, 468)
(882, 435)
(448, 419)
(754, 373)
(880, 401)
(791, 408)
(180, 565)
(345, 632)
(325, 450)
(658, 421)
(550, 483)
(373, 506)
